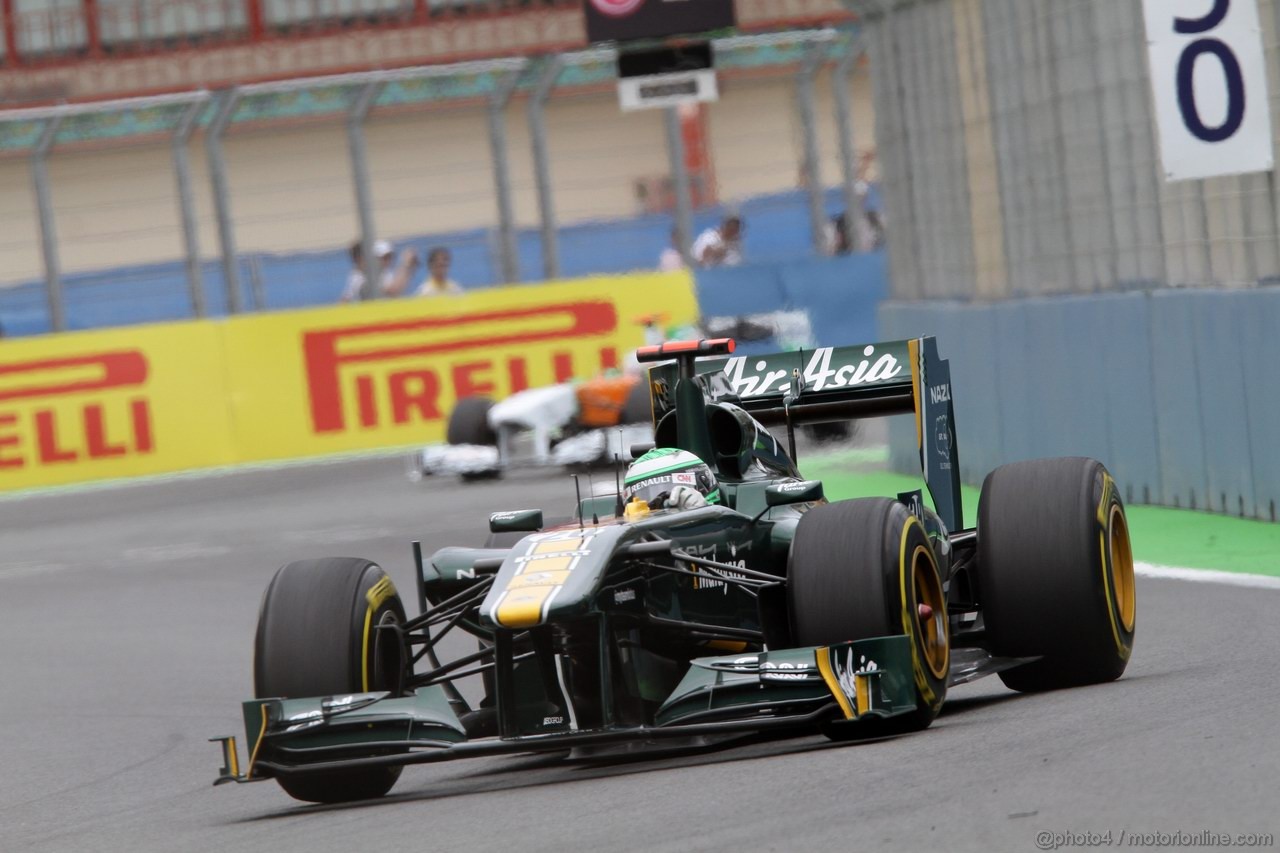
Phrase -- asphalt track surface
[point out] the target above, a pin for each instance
(126, 624)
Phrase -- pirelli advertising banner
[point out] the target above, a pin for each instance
(117, 403)
(153, 399)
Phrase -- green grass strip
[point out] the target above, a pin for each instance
(1160, 535)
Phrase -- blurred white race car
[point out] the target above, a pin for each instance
(570, 424)
(581, 423)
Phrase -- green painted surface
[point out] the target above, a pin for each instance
(1166, 537)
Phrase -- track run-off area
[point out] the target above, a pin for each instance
(127, 615)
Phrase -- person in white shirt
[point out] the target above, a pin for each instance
(393, 278)
(720, 247)
(671, 260)
(438, 282)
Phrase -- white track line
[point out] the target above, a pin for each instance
(203, 473)
(1147, 570)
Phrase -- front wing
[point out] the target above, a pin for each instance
(734, 694)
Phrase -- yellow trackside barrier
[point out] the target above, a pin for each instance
(154, 399)
(388, 373)
(115, 403)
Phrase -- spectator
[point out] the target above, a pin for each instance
(438, 282)
(671, 260)
(865, 233)
(875, 229)
(868, 229)
(720, 247)
(393, 278)
(837, 236)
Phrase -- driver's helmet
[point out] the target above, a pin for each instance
(652, 477)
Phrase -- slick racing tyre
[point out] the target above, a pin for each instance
(638, 407)
(318, 636)
(469, 423)
(851, 565)
(1055, 572)
(831, 433)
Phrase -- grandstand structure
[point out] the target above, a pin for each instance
(139, 133)
(73, 50)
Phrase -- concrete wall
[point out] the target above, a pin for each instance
(1174, 390)
(1019, 157)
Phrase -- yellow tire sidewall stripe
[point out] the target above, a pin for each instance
(1123, 648)
(907, 595)
(377, 594)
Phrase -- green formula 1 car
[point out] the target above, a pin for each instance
(771, 609)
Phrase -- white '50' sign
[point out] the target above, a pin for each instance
(1209, 78)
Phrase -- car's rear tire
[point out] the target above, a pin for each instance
(469, 423)
(851, 563)
(318, 636)
(1055, 572)
(638, 407)
(830, 433)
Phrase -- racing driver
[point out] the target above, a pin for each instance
(669, 478)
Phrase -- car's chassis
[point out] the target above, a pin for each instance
(784, 692)
(771, 610)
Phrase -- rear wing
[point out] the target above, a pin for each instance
(840, 384)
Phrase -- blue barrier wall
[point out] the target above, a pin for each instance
(776, 230)
(1174, 390)
(839, 294)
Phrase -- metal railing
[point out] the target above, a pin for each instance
(110, 27)
(558, 172)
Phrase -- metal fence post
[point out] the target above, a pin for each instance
(1071, 239)
(680, 181)
(808, 125)
(186, 204)
(256, 287)
(844, 130)
(508, 255)
(227, 102)
(547, 78)
(1104, 160)
(48, 232)
(356, 115)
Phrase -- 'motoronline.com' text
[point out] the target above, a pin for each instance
(1048, 840)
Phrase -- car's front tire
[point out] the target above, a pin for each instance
(860, 569)
(318, 635)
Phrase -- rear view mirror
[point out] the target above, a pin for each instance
(517, 520)
(805, 491)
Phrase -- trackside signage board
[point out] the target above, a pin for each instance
(107, 404)
(153, 399)
(667, 90)
(1209, 86)
(628, 20)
